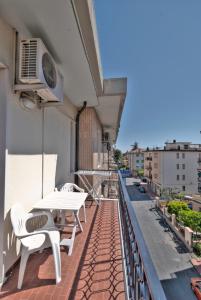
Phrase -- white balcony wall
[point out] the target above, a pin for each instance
(39, 146)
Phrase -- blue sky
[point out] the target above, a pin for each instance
(157, 45)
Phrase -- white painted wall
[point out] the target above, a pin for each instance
(38, 150)
(135, 161)
(170, 172)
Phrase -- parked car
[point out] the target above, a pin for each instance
(196, 286)
(144, 180)
(137, 183)
(142, 189)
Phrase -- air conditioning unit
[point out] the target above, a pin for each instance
(36, 66)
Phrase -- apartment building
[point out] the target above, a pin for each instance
(136, 160)
(51, 124)
(175, 168)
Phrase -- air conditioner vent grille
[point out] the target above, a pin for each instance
(29, 59)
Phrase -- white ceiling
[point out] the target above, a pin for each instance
(54, 21)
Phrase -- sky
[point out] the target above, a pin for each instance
(157, 45)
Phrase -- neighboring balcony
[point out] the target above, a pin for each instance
(149, 168)
(110, 259)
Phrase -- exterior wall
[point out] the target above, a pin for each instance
(90, 140)
(91, 155)
(170, 171)
(38, 158)
(39, 152)
(152, 169)
(161, 168)
(135, 161)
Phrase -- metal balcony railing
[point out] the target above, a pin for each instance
(142, 282)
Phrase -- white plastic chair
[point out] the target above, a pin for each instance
(70, 187)
(48, 235)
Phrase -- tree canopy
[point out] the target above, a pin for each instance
(117, 156)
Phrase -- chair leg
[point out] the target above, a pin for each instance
(23, 262)
(55, 241)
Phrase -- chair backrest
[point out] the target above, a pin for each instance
(68, 187)
(18, 215)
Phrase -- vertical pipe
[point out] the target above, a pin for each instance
(77, 139)
(43, 150)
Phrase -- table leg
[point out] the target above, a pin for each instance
(77, 219)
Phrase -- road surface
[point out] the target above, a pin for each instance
(171, 259)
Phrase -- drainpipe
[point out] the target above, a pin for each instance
(77, 138)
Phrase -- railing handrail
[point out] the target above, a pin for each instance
(153, 281)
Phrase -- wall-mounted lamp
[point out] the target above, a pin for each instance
(28, 102)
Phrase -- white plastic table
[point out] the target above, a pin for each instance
(92, 190)
(66, 201)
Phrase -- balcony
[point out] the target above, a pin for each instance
(149, 168)
(110, 260)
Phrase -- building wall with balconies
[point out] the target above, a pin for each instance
(173, 171)
(180, 171)
(135, 160)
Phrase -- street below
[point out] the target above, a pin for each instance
(170, 257)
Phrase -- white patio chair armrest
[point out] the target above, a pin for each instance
(78, 188)
(37, 232)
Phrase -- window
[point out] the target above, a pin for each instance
(142, 161)
(137, 155)
(137, 161)
(183, 188)
(177, 155)
(183, 166)
(155, 154)
(177, 177)
(183, 155)
(183, 177)
(177, 166)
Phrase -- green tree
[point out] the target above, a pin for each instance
(174, 207)
(135, 146)
(117, 156)
(179, 196)
(140, 172)
(190, 219)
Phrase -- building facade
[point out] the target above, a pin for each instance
(175, 168)
(136, 161)
(42, 144)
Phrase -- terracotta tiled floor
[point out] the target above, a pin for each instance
(94, 271)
